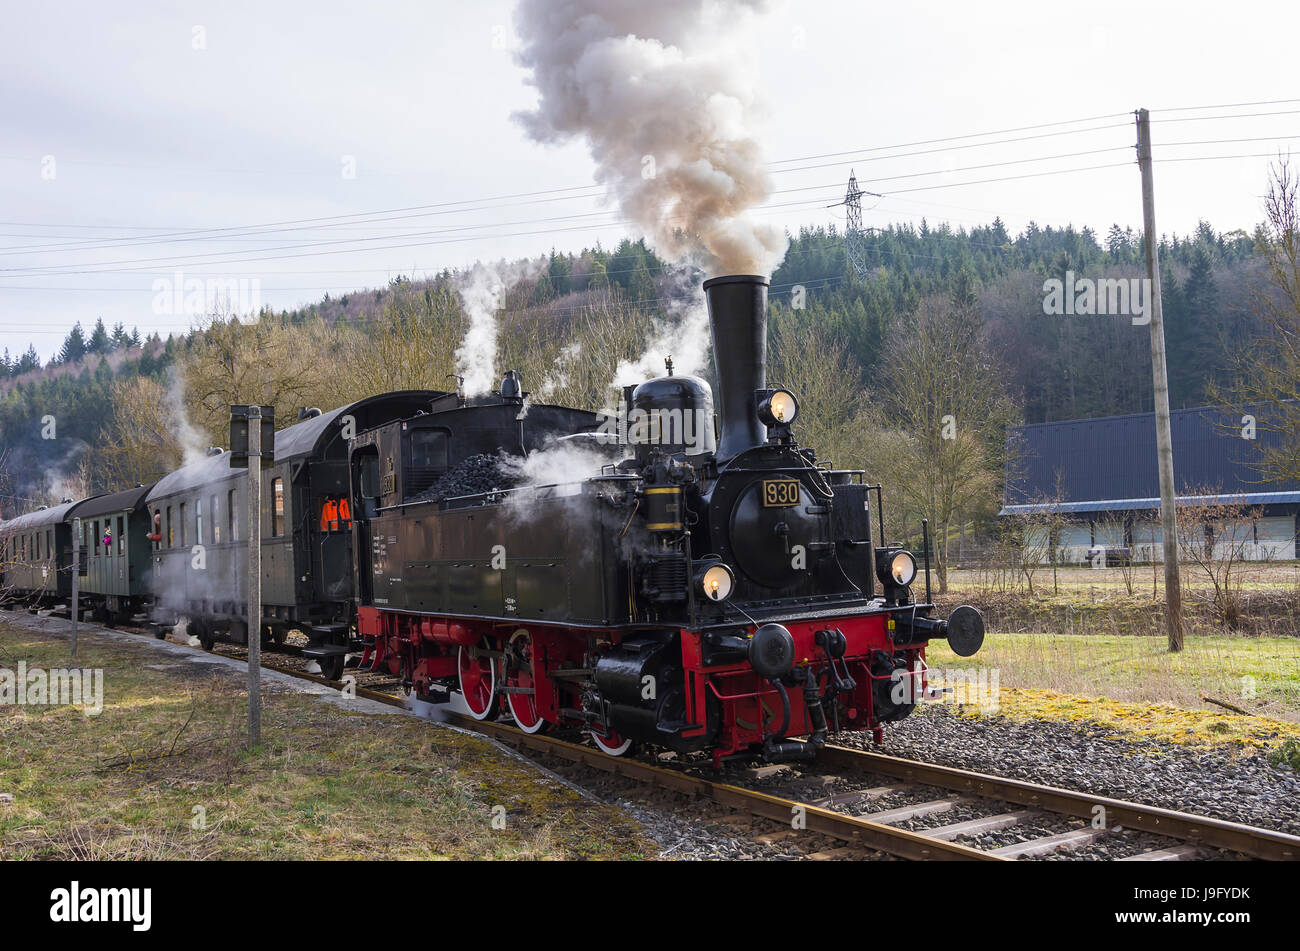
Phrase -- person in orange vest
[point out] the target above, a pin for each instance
(329, 516)
(345, 514)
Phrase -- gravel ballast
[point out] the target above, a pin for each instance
(1218, 782)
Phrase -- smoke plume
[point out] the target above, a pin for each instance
(662, 94)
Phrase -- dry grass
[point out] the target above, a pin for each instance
(162, 774)
(1134, 684)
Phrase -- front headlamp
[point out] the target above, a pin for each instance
(778, 408)
(716, 582)
(896, 567)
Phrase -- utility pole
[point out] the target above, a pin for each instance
(252, 441)
(76, 575)
(1164, 441)
(254, 576)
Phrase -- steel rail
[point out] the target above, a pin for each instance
(1195, 830)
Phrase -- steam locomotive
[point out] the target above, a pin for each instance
(695, 595)
(694, 587)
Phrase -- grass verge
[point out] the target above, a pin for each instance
(1134, 685)
(162, 773)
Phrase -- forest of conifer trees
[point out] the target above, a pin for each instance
(1056, 367)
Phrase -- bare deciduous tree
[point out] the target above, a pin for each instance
(141, 441)
(941, 398)
(817, 368)
(1267, 369)
(266, 362)
(1029, 540)
(1215, 536)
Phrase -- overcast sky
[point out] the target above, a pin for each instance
(127, 121)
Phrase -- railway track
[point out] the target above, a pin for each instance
(866, 780)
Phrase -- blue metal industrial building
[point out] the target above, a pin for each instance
(1101, 476)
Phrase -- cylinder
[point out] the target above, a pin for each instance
(738, 325)
(664, 508)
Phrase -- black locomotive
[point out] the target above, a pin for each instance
(686, 594)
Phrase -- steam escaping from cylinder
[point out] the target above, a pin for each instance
(663, 94)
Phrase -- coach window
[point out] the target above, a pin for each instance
(277, 509)
(121, 537)
(171, 537)
(95, 534)
(216, 521)
(232, 522)
(49, 543)
(198, 521)
(182, 521)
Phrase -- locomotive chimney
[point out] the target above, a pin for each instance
(738, 324)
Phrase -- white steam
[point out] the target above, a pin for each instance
(560, 464)
(190, 441)
(482, 292)
(554, 472)
(684, 336)
(559, 375)
(663, 94)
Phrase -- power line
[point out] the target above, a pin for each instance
(49, 269)
(1245, 115)
(468, 205)
(202, 234)
(1230, 105)
(595, 190)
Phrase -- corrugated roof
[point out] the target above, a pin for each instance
(1131, 505)
(1114, 457)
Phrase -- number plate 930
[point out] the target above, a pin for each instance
(778, 493)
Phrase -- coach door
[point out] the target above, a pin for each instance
(331, 527)
(365, 506)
